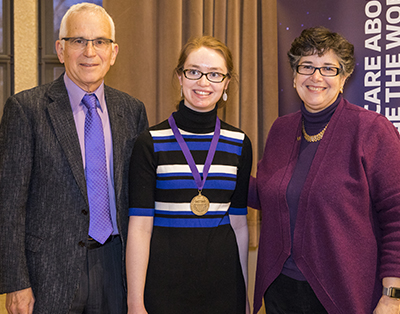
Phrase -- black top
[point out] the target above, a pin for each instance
(313, 123)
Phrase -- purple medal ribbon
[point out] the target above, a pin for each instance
(189, 158)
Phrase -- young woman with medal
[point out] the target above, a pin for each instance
(188, 239)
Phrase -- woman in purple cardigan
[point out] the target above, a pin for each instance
(328, 186)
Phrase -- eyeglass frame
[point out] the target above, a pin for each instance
(108, 41)
(338, 70)
(224, 76)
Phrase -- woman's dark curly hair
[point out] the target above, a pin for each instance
(319, 40)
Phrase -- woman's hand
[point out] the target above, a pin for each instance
(387, 305)
(137, 310)
(137, 258)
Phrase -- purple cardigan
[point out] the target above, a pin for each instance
(347, 234)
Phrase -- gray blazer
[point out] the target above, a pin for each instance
(44, 207)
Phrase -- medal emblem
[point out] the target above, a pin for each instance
(199, 205)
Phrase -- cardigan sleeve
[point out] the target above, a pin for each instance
(253, 200)
(381, 149)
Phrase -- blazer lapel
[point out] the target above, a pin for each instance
(115, 113)
(61, 117)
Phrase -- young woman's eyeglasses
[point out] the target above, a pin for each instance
(214, 77)
(81, 43)
(329, 71)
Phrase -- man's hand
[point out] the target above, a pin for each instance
(20, 302)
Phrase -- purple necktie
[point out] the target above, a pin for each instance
(100, 227)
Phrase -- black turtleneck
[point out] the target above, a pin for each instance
(194, 121)
(313, 123)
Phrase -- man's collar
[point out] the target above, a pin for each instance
(76, 94)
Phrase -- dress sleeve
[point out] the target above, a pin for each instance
(239, 197)
(142, 177)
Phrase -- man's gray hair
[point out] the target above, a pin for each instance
(84, 7)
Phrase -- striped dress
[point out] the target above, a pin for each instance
(194, 262)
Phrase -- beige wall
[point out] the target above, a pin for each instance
(25, 44)
(26, 76)
(2, 302)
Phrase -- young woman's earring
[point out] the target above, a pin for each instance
(225, 96)
(181, 91)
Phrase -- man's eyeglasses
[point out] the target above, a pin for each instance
(324, 71)
(214, 77)
(81, 43)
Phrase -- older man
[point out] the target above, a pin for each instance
(64, 156)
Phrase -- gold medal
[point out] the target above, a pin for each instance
(199, 204)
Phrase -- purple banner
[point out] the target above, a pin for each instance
(373, 27)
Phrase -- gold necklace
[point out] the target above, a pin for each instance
(312, 138)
